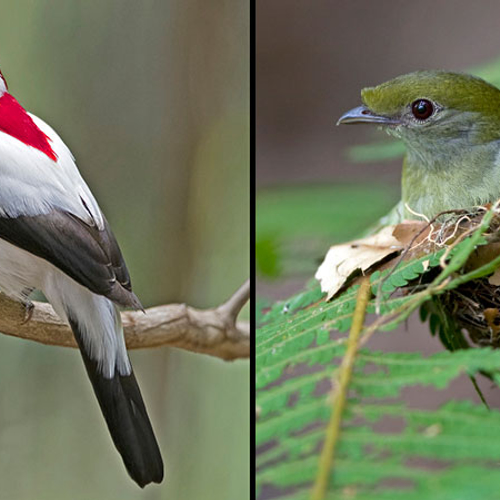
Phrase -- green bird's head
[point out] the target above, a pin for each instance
(450, 124)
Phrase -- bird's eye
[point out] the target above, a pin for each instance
(422, 109)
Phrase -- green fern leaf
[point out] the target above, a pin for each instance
(438, 453)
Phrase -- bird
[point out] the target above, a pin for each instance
(449, 123)
(54, 238)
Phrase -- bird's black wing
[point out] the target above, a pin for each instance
(90, 256)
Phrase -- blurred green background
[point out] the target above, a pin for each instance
(152, 99)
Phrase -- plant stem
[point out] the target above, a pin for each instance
(340, 390)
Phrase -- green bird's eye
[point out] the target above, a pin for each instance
(422, 109)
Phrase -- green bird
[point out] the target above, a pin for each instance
(450, 124)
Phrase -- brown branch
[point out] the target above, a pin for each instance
(210, 331)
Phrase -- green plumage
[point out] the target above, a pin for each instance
(453, 156)
(452, 90)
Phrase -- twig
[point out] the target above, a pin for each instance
(339, 396)
(451, 247)
(232, 307)
(409, 247)
(211, 331)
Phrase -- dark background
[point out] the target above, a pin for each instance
(152, 99)
(313, 58)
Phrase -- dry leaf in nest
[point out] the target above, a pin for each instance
(492, 318)
(475, 307)
(343, 261)
(494, 279)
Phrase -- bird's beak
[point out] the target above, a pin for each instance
(362, 114)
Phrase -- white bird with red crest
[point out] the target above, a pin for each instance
(54, 238)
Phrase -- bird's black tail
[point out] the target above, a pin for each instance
(128, 422)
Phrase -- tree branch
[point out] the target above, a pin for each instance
(210, 331)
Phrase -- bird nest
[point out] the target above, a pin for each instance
(473, 305)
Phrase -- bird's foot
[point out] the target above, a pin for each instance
(28, 311)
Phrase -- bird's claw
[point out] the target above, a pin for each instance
(28, 311)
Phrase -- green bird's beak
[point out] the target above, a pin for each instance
(362, 114)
